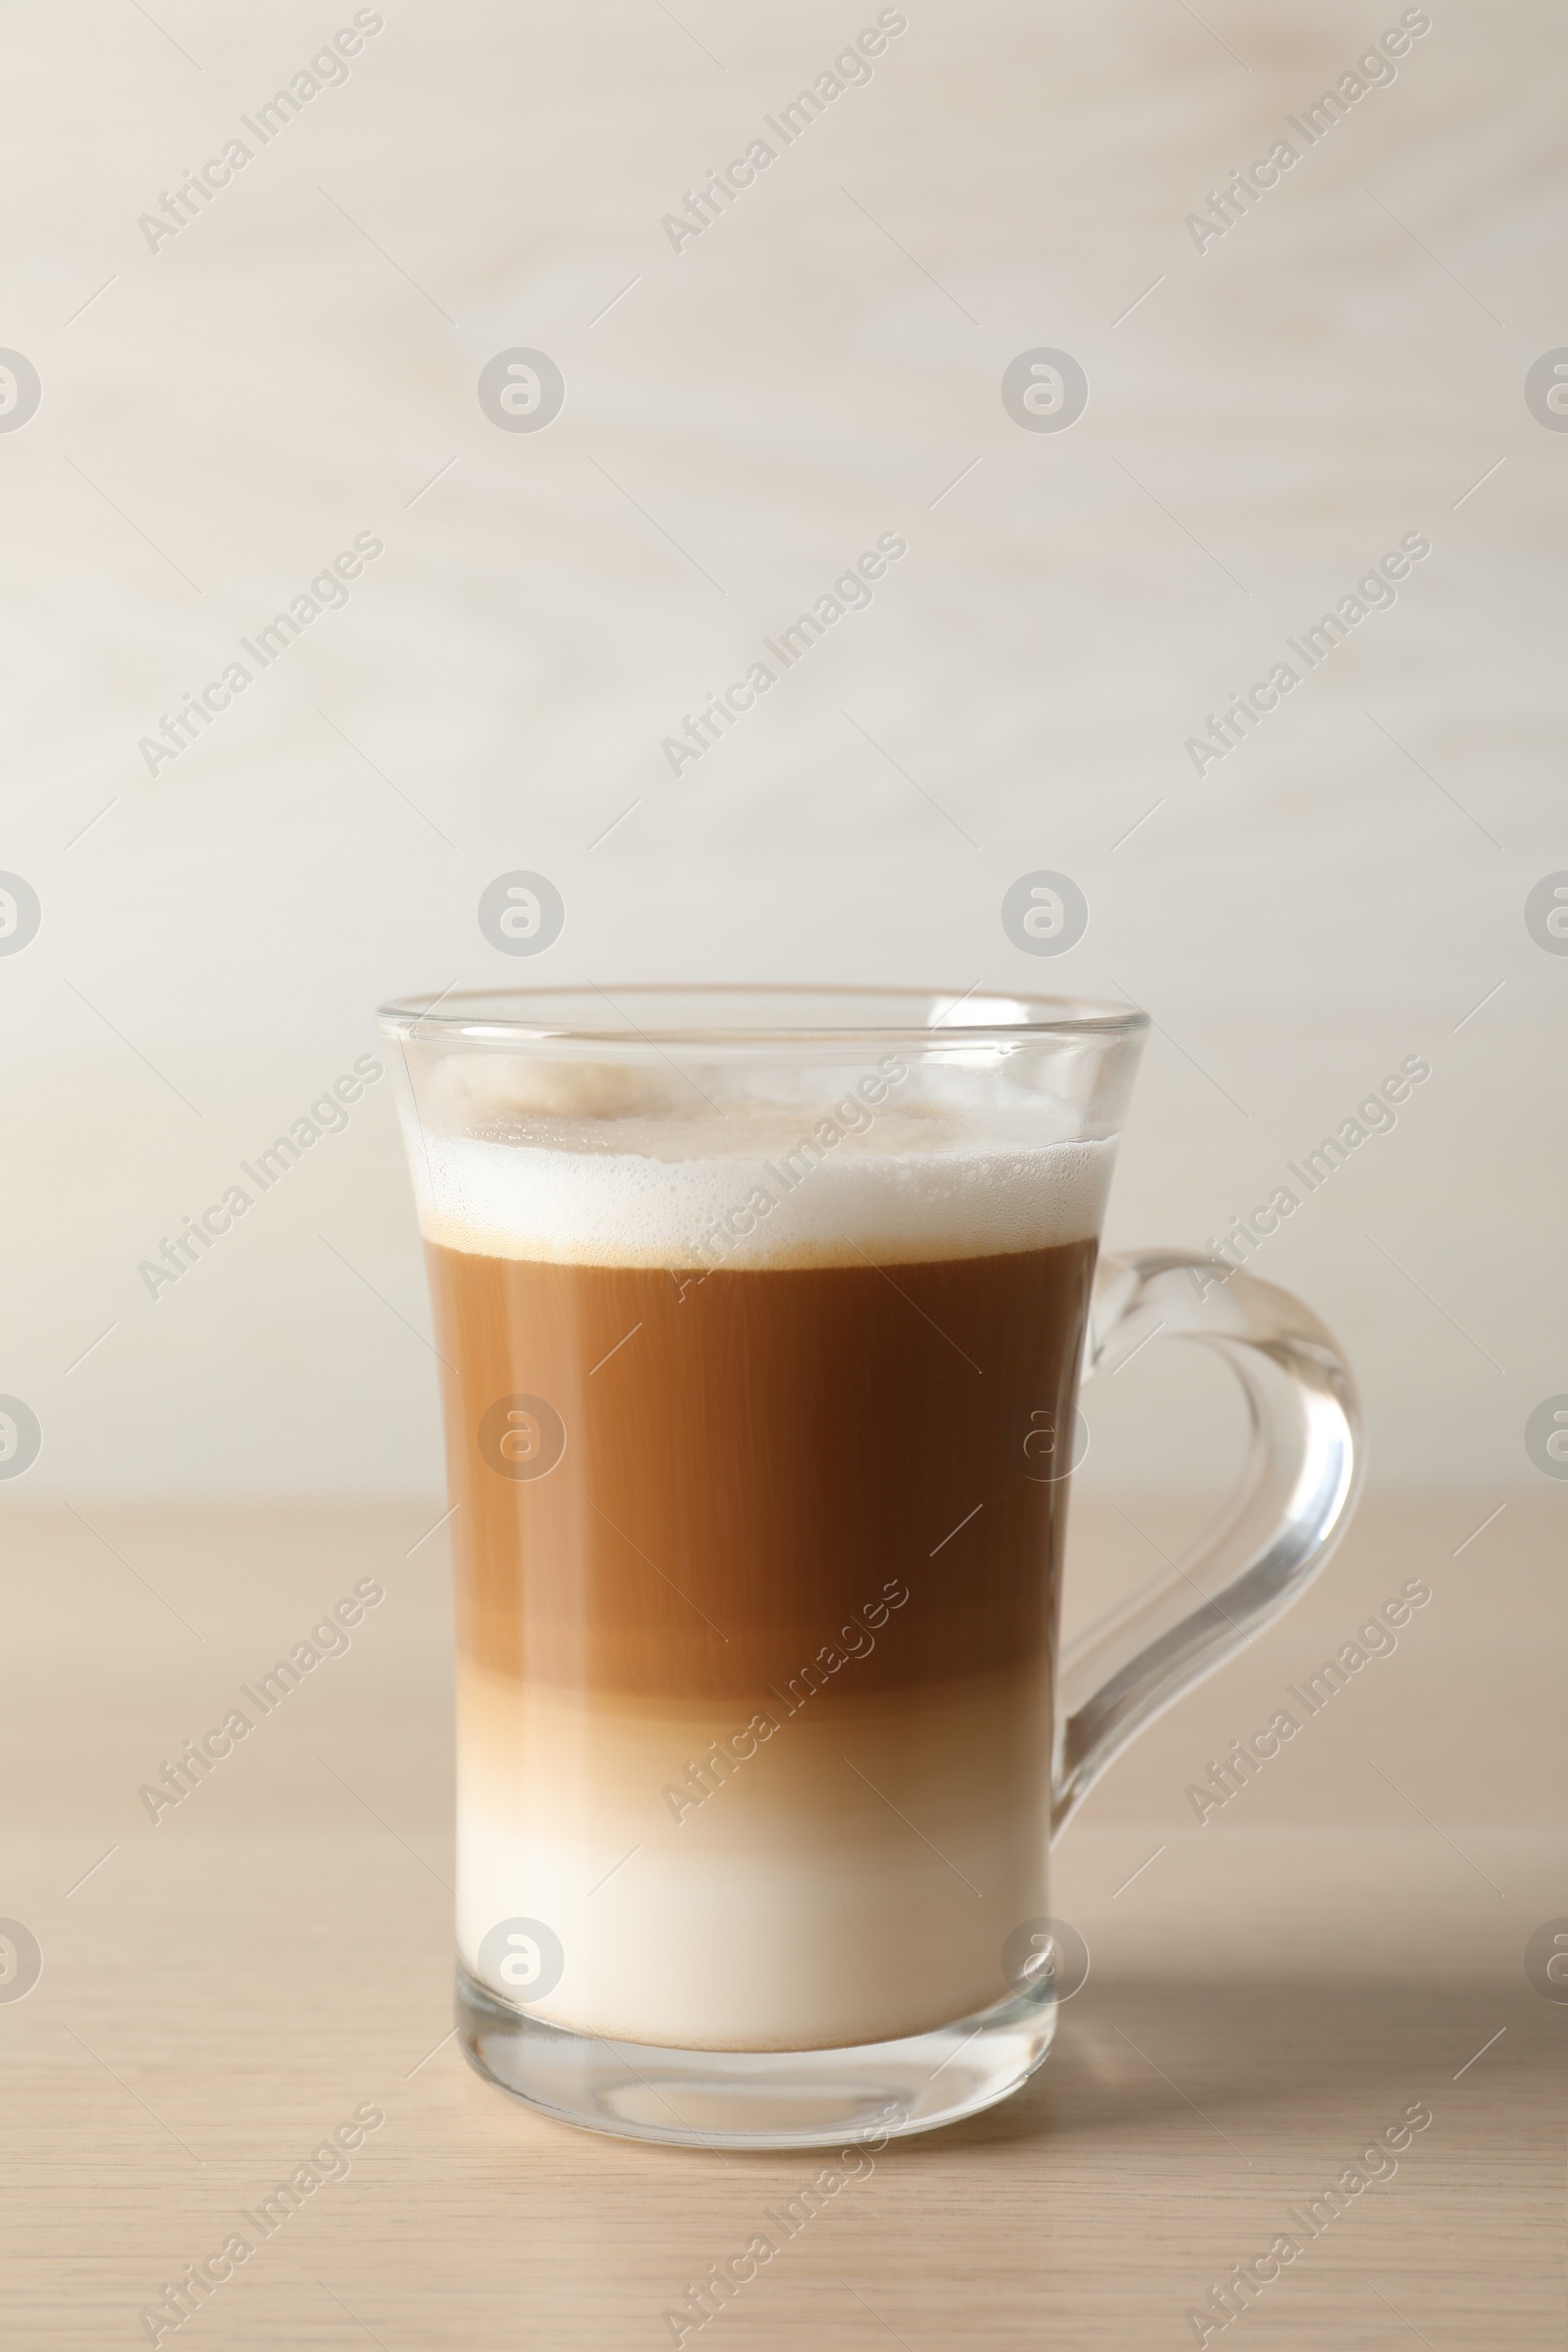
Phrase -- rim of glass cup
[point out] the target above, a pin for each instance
(768, 1014)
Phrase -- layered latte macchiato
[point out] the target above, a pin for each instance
(756, 1439)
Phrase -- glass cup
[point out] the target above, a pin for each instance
(762, 1315)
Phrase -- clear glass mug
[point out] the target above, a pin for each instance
(762, 1315)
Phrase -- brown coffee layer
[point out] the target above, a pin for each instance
(687, 1485)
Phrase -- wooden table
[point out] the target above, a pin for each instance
(1270, 1988)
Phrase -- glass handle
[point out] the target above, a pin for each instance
(1294, 1502)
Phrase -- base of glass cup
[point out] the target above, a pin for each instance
(758, 2098)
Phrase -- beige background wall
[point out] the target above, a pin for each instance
(299, 364)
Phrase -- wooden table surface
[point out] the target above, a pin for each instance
(1270, 1988)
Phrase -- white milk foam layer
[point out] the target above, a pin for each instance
(757, 1186)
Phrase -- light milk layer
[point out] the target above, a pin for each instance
(853, 1879)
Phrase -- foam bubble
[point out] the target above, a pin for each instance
(756, 1188)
